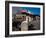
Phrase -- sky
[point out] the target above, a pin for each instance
(33, 10)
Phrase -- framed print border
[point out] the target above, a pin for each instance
(7, 18)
